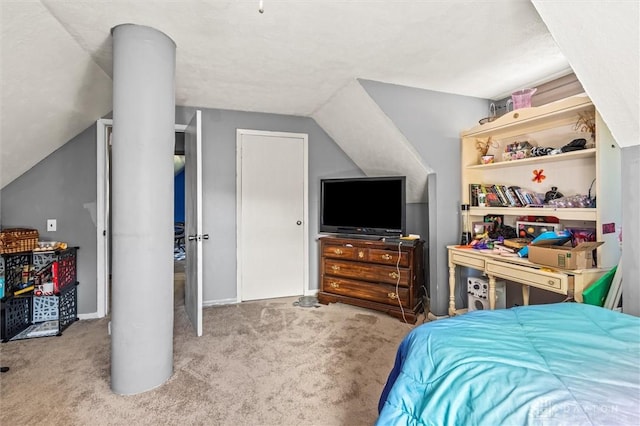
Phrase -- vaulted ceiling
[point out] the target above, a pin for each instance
(291, 59)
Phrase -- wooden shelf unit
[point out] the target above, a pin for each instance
(596, 168)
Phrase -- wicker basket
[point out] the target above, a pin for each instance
(18, 240)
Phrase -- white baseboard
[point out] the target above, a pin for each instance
(93, 315)
(219, 302)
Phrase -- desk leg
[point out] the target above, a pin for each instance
(452, 289)
(525, 295)
(492, 292)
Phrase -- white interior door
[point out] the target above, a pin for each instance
(272, 214)
(193, 221)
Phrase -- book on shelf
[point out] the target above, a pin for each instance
(505, 192)
(474, 188)
(516, 190)
(514, 197)
(492, 199)
(531, 197)
(501, 196)
(504, 196)
(510, 198)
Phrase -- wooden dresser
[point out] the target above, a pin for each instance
(385, 276)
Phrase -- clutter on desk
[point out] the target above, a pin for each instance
(516, 243)
(549, 238)
(531, 230)
(565, 257)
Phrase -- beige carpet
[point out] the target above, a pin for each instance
(258, 363)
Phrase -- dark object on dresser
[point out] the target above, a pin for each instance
(387, 276)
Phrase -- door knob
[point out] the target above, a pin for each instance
(299, 222)
(192, 237)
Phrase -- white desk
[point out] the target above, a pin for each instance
(568, 282)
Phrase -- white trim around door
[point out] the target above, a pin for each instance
(305, 216)
(103, 126)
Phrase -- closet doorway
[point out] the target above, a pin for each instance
(103, 224)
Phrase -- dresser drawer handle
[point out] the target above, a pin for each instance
(551, 282)
(394, 275)
(334, 284)
(338, 251)
(387, 256)
(335, 267)
(392, 296)
(361, 254)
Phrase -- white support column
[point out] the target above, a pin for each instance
(142, 208)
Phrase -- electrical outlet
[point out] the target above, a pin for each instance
(52, 225)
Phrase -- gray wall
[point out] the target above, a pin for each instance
(62, 187)
(432, 122)
(631, 229)
(326, 159)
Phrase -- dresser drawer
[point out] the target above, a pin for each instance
(380, 293)
(556, 282)
(344, 252)
(367, 272)
(388, 257)
(464, 259)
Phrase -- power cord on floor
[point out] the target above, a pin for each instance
(426, 304)
(404, 318)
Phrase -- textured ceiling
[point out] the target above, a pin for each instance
(602, 43)
(294, 56)
(56, 56)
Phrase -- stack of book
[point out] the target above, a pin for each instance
(516, 243)
(504, 196)
(511, 246)
(504, 250)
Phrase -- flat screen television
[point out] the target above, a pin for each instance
(363, 206)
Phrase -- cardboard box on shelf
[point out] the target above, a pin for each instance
(564, 257)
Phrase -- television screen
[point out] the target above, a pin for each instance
(368, 206)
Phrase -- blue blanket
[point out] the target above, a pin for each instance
(565, 363)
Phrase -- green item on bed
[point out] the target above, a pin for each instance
(597, 292)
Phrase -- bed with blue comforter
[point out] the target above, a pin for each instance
(565, 363)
